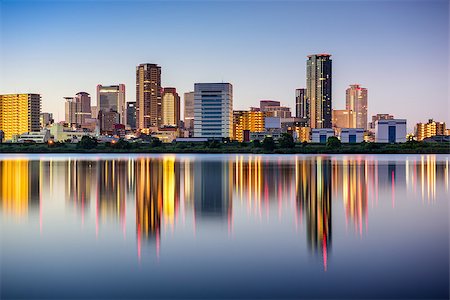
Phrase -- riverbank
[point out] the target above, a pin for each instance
(231, 147)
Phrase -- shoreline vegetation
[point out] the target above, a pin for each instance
(284, 145)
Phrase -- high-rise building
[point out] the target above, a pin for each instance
(277, 111)
(107, 120)
(318, 90)
(112, 98)
(213, 110)
(432, 128)
(148, 96)
(19, 113)
(131, 115)
(83, 112)
(253, 121)
(45, 119)
(170, 108)
(264, 103)
(189, 110)
(342, 118)
(356, 100)
(301, 104)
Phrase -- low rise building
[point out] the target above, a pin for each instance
(38, 137)
(275, 134)
(352, 135)
(61, 133)
(430, 129)
(321, 135)
(390, 131)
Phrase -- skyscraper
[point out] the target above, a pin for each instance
(112, 98)
(19, 113)
(356, 100)
(301, 104)
(77, 109)
(189, 110)
(213, 110)
(170, 108)
(148, 96)
(131, 115)
(318, 90)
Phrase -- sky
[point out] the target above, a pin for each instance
(398, 49)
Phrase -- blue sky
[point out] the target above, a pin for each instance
(399, 50)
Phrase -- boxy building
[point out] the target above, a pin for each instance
(390, 131)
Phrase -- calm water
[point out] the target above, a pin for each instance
(224, 226)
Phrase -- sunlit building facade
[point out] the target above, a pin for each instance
(213, 110)
(356, 101)
(148, 96)
(112, 98)
(318, 90)
(19, 113)
(189, 111)
(430, 129)
(131, 115)
(342, 118)
(251, 121)
(170, 107)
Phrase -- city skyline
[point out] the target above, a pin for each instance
(260, 61)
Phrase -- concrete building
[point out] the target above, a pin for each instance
(131, 115)
(318, 90)
(170, 108)
(61, 133)
(213, 110)
(189, 111)
(342, 118)
(112, 97)
(38, 137)
(45, 119)
(390, 131)
(301, 104)
(321, 135)
(352, 135)
(19, 113)
(148, 96)
(430, 129)
(379, 117)
(107, 121)
(264, 103)
(251, 121)
(278, 111)
(302, 134)
(356, 101)
(77, 109)
(260, 136)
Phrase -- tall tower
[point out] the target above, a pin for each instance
(356, 100)
(148, 96)
(170, 107)
(318, 90)
(301, 104)
(112, 98)
(83, 101)
(213, 110)
(189, 111)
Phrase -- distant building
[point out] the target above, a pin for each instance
(213, 110)
(112, 97)
(278, 111)
(94, 112)
(189, 111)
(352, 135)
(356, 101)
(77, 109)
(170, 108)
(45, 119)
(430, 129)
(251, 121)
(167, 134)
(390, 131)
(260, 136)
(379, 117)
(107, 121)
(61, 133)
(301, 104)
(272, 123)
(38, 137)
(148, 96)
(302, 134)
(318, 90)
(19, 113)
(131, 115)
(321, 135)
(342, 118)
(264, 103)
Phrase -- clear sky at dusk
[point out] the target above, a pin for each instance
(399, 50)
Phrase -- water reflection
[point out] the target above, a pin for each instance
(169, 191)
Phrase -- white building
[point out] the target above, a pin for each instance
(213, 110)
(260, 136)
(352, 135)
(61, 133)
(37, 137)
(390, 131)
(321, 135)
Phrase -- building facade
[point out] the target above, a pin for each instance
(189, 111)
(19, 113)
(131, 115)
(148, 96)
(45, 119)
(77, 109)
(356, 101)
(430, 129)
(352, 135)
(342, 118)
(213, 110)
(278, 111)
(390, 131)
(112, 97)
(318, 90)
(321, 135)
(170, 108)
(251, 121)
(301, 104)
(264, 103)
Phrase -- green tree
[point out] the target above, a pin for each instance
(286, 141)
(268, 143)
(256, 144)
(87, 142)
(121, 144)
(333, 142)
(156, 142)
